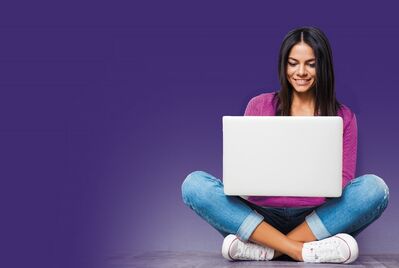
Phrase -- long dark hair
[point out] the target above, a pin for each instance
(323, 89)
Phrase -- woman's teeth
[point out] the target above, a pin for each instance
(302, 81)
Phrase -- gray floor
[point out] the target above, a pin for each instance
(177, 259)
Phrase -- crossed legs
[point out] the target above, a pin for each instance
(362, 202)
(290, 244)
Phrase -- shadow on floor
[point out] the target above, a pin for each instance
(177, 259)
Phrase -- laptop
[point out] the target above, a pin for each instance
(282, 156)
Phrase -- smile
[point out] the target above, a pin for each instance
(302, 81)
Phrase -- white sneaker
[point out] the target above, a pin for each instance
(234, 249)
(340, 248)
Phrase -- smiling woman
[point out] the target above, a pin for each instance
(306, 74)
(265, 227)
(301, 70)
(301, 74)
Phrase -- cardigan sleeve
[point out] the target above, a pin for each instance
(349, 151)
(253, 107)
(261, 105)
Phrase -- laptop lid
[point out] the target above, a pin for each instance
(282, 155)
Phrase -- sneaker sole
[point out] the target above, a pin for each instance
(353, 247)
(227, 242)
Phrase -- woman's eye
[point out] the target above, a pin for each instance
(312, 65)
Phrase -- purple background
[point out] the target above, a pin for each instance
(106, 107)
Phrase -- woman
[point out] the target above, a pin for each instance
(304, 228)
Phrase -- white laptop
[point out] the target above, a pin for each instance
(282, 155)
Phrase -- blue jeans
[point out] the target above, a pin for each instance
(363, 200)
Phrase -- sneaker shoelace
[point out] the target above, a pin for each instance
(251, 251)
(327, 251)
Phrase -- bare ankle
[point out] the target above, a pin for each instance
(296, 253)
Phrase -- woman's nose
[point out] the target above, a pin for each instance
(302, 70)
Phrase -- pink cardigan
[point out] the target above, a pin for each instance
(263, 104)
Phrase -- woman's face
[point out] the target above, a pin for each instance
(301, 67)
